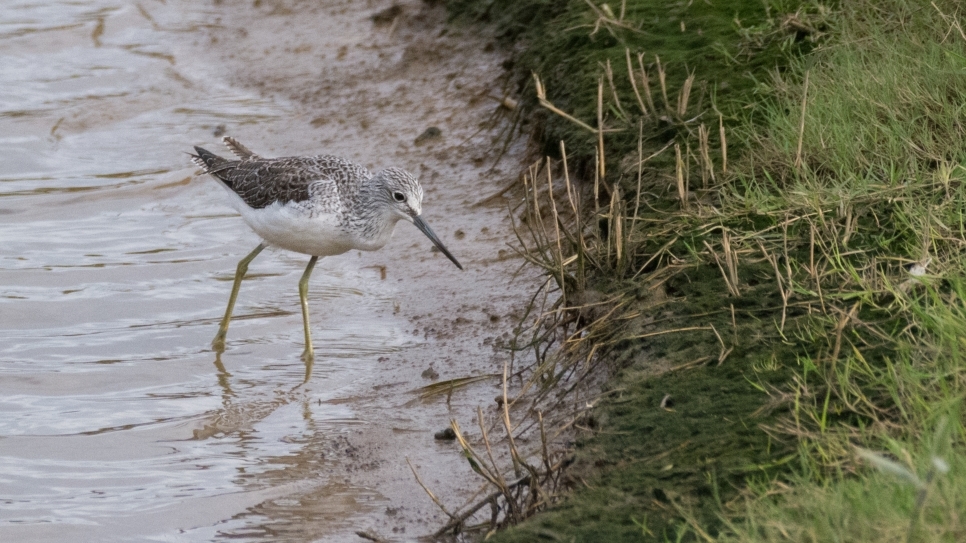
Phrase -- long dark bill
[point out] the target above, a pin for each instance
(424, 228)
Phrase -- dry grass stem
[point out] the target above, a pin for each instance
(517, 461)
(724, 144)
(646, 83)
(542, 98)
(630, 76)
(801, 126)
(601, 163)
(562, 282)
(665, 332)
(613, 89)
(726, 270)
(679, 175)
(640, 170)
(662, 79)
(725, 350)
(428, 491)
(683, 96)
(705, 149)
(731, 257)
(783, 290)
(607, 19)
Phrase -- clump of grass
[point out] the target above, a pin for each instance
(613, 247)
(904, 495)
(865, 180)
(571, 44)
(810, 247)
(512, 495)
(868, 174)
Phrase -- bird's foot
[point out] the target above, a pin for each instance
(308, 355)
(218, 344)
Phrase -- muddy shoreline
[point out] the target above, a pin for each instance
(119, 421)
(369, 84)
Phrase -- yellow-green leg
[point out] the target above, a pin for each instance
(309, 354)
(219, 342)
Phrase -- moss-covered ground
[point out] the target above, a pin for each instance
(781, 212)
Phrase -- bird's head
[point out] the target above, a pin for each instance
(401, 191)
(403, 195)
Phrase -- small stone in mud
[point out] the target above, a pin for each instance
(429, 373)
(499, 401)
(369, 536)
(446, 434)
(388, 15)
(219, 131)
(460, 234)
(430, 133)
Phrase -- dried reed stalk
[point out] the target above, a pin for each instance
(662, 78)
(601, 163)
(801, 126)
(613, 89)
(646, 83)
(679, 175)
(542, 99)
(684, 95)
(428, 491)
(707, 169)
(630, 75)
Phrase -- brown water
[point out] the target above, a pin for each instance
(117, 423)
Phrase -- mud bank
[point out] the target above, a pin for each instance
(120, 423)
(371, 81)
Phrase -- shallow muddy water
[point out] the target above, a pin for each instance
(117, 421)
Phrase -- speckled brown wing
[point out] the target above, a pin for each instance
(262, 182)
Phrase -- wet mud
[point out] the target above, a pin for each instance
(120, 422)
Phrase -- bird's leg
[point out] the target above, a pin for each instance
(219, 342)
(309, 354)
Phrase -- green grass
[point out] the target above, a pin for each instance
(917, 495)
(880, 182)
(729, 46)
(810, 296)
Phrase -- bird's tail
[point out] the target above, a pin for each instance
(238, 149)
(208, 161)
(214, 165)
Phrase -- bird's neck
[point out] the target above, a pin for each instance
(372, 217)
(367, 201)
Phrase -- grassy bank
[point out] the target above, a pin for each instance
(773, 252)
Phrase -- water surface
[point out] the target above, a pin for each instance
(116, 422)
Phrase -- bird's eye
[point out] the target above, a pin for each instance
(399, 197)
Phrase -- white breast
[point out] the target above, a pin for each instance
(299, 228)
(290, 227)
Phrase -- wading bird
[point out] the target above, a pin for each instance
(319, 205)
